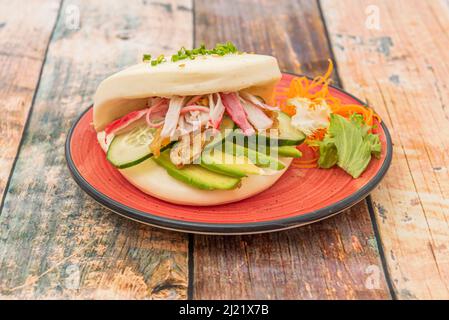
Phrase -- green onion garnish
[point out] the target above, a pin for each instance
(220, 49)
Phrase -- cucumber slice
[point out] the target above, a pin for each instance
(287, 151)
(131, 148)
(285, 135)
(288, 135)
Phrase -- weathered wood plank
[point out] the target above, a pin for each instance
(394, 53)
(25, 30)
(55, 242)
(333, 259)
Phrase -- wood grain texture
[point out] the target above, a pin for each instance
(55, 242)
(333, 259)
(20, 66)
(400, 66)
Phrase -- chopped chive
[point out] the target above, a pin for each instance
(220, 49)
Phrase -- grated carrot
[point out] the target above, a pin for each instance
(318, 135)
(317, 90)
(305, 165)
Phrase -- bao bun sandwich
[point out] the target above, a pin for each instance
(197, 128)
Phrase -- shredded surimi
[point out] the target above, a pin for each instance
(194, 100)
(254, 100)
(124, 121)
(216, 110)
(235, 109)
(191, 108)
(190, 122)
(172, 116)
(178, 116)
(256, 116)
(159, 109)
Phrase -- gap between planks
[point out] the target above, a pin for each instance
(400, 66)
(42, 236)
(368, 199)
(9, 155)
(253, 277)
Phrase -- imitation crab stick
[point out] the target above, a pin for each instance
(235, 109)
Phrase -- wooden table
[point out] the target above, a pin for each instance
(56, 242)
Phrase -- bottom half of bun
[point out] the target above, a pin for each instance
(154, 180)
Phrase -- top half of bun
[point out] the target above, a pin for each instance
(129, 89)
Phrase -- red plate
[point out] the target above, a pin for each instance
(301, 196)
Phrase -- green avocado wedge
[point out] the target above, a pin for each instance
(197, 176)
(285, 135)
(258, 158)
(228, 164)
(286, 151)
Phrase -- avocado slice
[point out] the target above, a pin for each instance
(228, 164)
(260, 159)
(285, 135)
(197, 176)
(287, 151)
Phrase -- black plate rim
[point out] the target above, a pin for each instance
(230, 228)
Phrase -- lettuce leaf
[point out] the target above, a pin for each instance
(328, 154)
(376, 147)
(348, 144)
